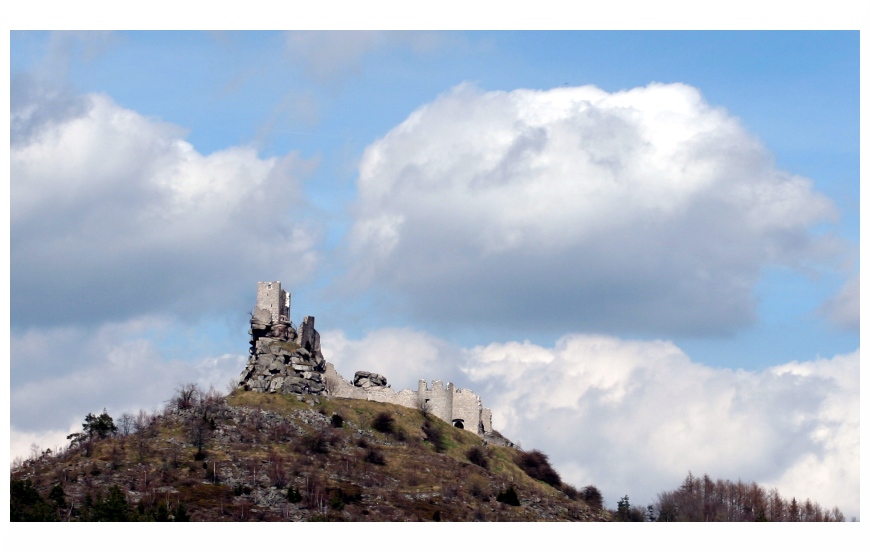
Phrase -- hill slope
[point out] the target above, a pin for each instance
(253, 456)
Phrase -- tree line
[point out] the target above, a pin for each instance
(702, 499)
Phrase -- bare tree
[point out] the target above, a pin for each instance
(211, 400)
(700, 499)
(186, 395)
(199, 430)
(126, 424)
(277, 471)
(142, 432)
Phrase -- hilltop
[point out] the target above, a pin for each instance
(254, 456)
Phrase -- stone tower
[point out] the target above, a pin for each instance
(271, 297)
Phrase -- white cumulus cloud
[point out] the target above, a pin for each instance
(637, 416)
(634, 417)
(645, 209)
(115, 215)
(404, 356)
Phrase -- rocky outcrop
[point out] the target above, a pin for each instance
(286, 360)
(281, 359)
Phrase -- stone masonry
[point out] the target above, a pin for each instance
(281, 359)
(459, 407)
(286, 360)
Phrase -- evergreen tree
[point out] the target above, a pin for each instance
(26, 504)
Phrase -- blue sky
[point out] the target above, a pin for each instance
(612, 215)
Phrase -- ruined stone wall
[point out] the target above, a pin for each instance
(447, 403)
(486, 420)
(341, 388)
(307, 336)
(466, 408)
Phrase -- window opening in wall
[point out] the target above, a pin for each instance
(459, 423)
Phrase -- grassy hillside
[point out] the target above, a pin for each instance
(252, 456)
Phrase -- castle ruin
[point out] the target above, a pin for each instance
(459, 407)
(283, 359)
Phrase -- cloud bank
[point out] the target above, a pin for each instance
(634, 417)
(114, 215)
(642, 210)
(116, 366)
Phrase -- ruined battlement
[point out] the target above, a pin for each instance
(283, 359)
(459, 407)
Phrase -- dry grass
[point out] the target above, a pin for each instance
(265, 444)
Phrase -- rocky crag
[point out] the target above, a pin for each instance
(283, 359)
(286, 360)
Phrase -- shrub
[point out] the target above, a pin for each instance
(384, 423)
(336, 421)
(425, 408)
(375, 457)
(435, 436)
(293, 495)
(335, 503)
(508, 496)
(536, 464)
(570, 491)
(338, 497)
(316, 443)
(113, 508)
(477, 456)
(592, 496)
(477, 487)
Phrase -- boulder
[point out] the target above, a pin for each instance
(295, 385)
(263, 344)
(369, 379)
(276, 384)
